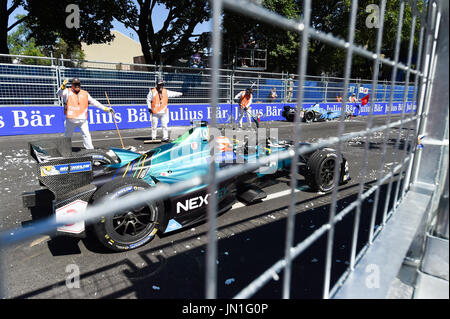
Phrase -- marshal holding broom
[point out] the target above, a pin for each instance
(76, 102)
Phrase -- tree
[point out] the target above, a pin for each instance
(366, 37)
(47, 21)
(329, 16)
(20, 42)
(5, 13)
(173, 40)
(282, 46)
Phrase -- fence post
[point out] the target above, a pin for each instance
(231, 97)
(58, 83)
(257, 92)
(358, 85)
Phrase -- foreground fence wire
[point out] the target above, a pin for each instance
(422, 81)
(351, 49)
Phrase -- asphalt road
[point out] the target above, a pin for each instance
(250, 238)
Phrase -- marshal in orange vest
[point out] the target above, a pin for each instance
(77, 104)
(159, 102)
(244, 101)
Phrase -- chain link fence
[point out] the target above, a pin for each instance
(130, 84)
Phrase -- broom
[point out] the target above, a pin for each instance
(121, 141)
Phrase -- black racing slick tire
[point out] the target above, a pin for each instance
(99, 157)
(320, 170)
(309, 116)
(128, 229)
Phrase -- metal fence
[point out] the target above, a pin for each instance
(408, 158)
(33, 81)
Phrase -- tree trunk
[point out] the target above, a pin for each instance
(145, 46)
(3, 27)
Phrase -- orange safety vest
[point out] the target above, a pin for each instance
(223, 144)
(77, 104)
(245, 99)
(159, 102)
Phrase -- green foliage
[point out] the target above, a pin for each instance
(282, 46)
(21, 42)
(173, 40)
(46, 26)
(329, 16)
(47, 21)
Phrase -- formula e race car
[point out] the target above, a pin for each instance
(77, 180)
(312, 114)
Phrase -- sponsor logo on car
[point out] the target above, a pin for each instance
(123, 190)
(198, 201)
(143, 241)
(165, 174)
(52, 170)
(62, 213)
(80, 167)
(143, 173)
(192, 203)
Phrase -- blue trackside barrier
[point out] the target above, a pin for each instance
(23, 120)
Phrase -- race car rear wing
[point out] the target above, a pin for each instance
(58, 169)
(45, 150)
(69, 180)
(64, 175)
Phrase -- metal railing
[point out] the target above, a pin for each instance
(33, 81)
(423, 80)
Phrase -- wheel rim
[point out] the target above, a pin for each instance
(327, 173)
(133, 224)
(309, 116)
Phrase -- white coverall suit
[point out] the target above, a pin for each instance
(163, 114)
(245, 110)
(80, 121)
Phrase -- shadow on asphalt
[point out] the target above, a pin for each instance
(242, 257)
(379, 145)
(61, 245)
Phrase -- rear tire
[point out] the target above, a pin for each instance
(129, 229)
(309, 116)
(320, 170)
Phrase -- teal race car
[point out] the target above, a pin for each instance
(74, 181)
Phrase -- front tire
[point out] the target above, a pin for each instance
(131, 228)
